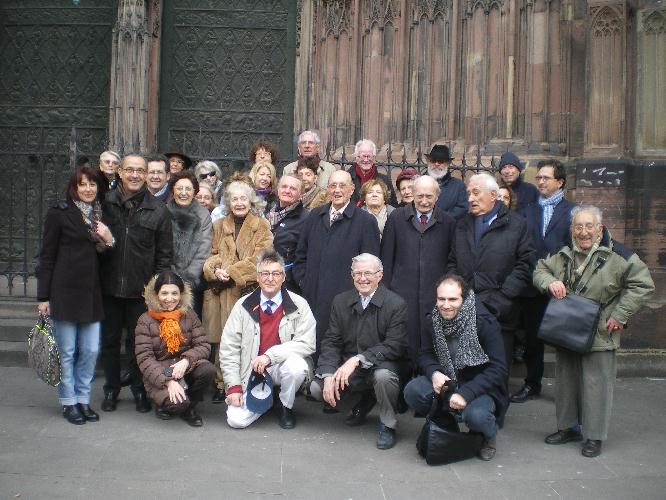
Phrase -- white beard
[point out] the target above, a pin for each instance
(439, 174)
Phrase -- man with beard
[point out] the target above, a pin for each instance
(453, 197)
(308, 147)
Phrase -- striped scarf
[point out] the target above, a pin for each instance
(548, 206)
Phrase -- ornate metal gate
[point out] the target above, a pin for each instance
(55, 63)
(227, 77)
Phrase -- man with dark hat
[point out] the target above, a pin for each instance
(453, 196)
(510, 170)
(177, 160)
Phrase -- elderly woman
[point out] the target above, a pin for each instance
(264, 180)
(206, 197)
(375, 197)
(313, 195)
(172, 350)
(231, 268)
(191, 226)
(404, 184)
(209, 173)
(597, 267)
(68, 287)
(264, 151)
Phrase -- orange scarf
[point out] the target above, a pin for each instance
(170, 332)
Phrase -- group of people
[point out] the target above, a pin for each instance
(321, 282)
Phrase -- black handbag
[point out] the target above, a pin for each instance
(570, 323)
(441, 441)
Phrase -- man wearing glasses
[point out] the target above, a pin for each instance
(309, 144)
(109, 161)
(367, 332)
(365, 153)
(270, 330)
(141, 226)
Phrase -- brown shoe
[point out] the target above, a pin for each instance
(488, 449)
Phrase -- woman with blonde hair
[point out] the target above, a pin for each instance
(264, 180)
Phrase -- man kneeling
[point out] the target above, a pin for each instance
(273, 330)
(368, 333)
(461, 347)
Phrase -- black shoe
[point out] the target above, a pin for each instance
(125, 379)
(110, 401)
(141, 402)
(519, 354)
(525, 393)
(562, 437)
(361, 410)
(287, 418)
(163, 414)
(329, 410)
(219, 396)
(192, 417)
(386, 437)
(73, 415)
(488, 449)
(591, 448)
(88, 413)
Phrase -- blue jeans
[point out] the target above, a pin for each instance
(478, 415)
(79, 345)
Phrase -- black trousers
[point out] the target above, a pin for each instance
(197, 382)
(119, 313)
(533, 309)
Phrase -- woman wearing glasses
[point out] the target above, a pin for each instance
(208, 172)
(230, 270)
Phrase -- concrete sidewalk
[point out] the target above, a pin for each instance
(131, 455)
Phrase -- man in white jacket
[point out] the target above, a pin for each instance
(272, 330)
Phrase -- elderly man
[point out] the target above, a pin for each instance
(364, 349)
(493, 252)
(461, 353)
(548, 222)
(415, 251)
(272, 330)
(452, 197)
(308, 147)
(109, 161)
(286, 216)
(331, 236)
(510, 170)
(158, 176)
(141, 226)
(365, 153)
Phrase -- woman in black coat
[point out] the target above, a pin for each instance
(68, 287)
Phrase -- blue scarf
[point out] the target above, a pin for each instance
(548, 207)
(482, 222)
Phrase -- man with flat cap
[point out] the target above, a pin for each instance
(452, 196)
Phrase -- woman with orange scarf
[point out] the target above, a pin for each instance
(172, 349)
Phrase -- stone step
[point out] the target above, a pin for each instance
(15, 330)
(18, 308)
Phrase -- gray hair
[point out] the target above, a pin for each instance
(315, 136)
(208, 165)
(108, 152)
(293, 176)
(368, 257)
(257, 205)
(365, 142)
(487, 181)
(269, 255)
(587, 208)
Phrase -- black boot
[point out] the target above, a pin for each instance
(141, 402)
(88, 413)
(192, 417)
(73, 415)
(110, 401)
(361, 410)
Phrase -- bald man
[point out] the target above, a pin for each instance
(415, 250)
(332, 234)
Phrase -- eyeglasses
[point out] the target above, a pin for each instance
(111, 162)
(134, 171)
(264, 275)
(364, 274)
(204, 176)
(589, 226)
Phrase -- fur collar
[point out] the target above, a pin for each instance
(150, 296)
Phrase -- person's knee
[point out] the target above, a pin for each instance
(383, 377)
(478, 417)
(295, 366)
(236, 420)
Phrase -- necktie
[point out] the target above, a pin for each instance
(424, 219)
(269, 307)
(335, 217)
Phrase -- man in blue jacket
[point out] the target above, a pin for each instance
(452, 196)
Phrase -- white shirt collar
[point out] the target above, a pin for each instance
(277, 300)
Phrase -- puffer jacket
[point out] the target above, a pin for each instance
(151, 352)
(240, 339)
(615, 277)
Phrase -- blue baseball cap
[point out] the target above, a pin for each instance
(259, 393)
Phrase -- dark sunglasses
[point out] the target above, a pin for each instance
(203, 176)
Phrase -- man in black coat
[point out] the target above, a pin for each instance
(141, 226)
(286, 216)
(511, 169)
(365, 169)
(549, 225)
(331, 236)
(364, 349)
(493, 253)
(453, 196)
(415, 252)
(462, 355)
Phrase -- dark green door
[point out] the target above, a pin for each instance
(227, 77)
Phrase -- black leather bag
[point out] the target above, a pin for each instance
(441, 441)
(570, 323)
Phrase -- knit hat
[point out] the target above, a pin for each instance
(509, 158)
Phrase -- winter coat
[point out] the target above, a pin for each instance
(151, 352)
(378, 332)
(414, 258)
(144, 243)
(324, 254)
(192, 236)
(285, 240)
(68, 272)
(453, 196)
(615, 277)
(239, 258)
(526, 193)
(499, 268)
(393, 201)
(319, 199)
(241, 336)
(474, 381)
